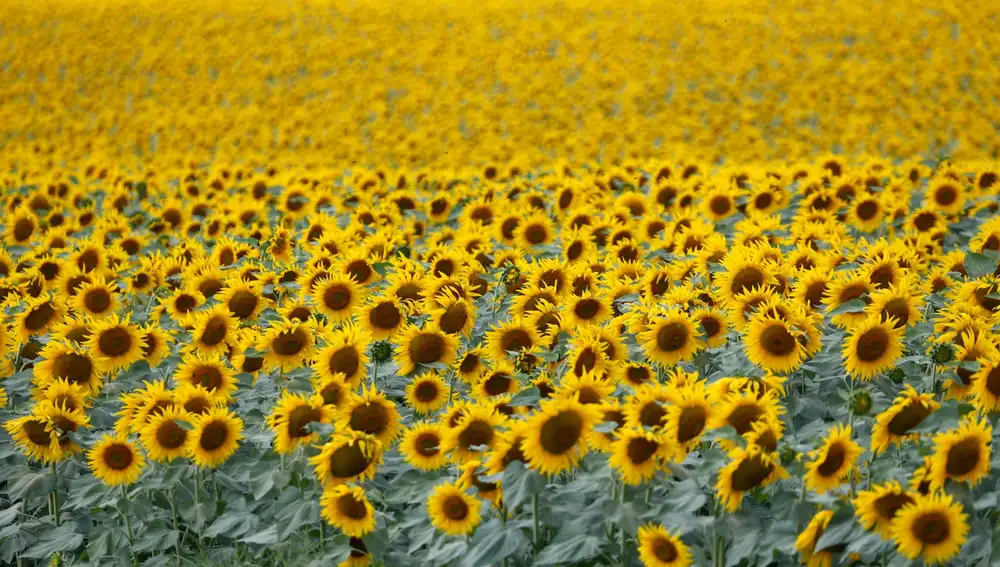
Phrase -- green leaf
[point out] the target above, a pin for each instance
(264, 537)
(852, 306)
(31, 483)
(63, 538)
(307, 512)
(520, 484)
(526, 397)
(575, 549)
(224, 524)
(979, 265)
(685, 497)
(496, 543)
(10, 514)
(606, 427)
(836, 533)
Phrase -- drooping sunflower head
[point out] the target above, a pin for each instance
(807, 542)
(907, 411)
(38, 316)
(471, 477)
(833, 461)
(878, 506)
(746, 470)
(347, 458)
(472, 428)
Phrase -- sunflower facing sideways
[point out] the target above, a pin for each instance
(833, 461)
(962, 454)
(452, 511)
(214, 437)
(556, 435)
(350, 457)
(907, 411)
(807, 541)
(746, 470)
(933, 528)
(659, 548)
(878, 506)
(348, 509)
(115, 460)
(291, 415)
(637, 454)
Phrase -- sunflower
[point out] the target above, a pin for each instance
(742, 273)
(470, 427)
(214, 331)
(195, 399)
(333, 389)
(962, 454)
(611, 412)
(833, 461)
(590, 388)
(878, 506)
(899, 303)
(164, 436)
(636, 374)
(349, 457)
(36, 438)
(746, 470)
(382, 317)
(337, 296)
(426, 393)
(847, 288)
(95, 299)
(637, 454)
(945, 195)
(773, 344)
(345, 354)
(807, 541)
(586, 309)
(557, 434)
(514, 336)
(872, 347)
(671, 337)
(348, 509)
(713, 326)
(244, 300)
(471, 365)
(139, 406)
(115, 460)
(39, 314)
(155, 344)
(659, 548)
(686, 419)
(181, 305)
(370, 413)
(455, 316)
(421, 446)
(986, 384)
(907, 411)
(973, 346)
(291, 415)
(63, 393)
(66, 361)
(214, 438)
(933, 528)
(287, 344)
(210, 372)
(424, 346)
(470, 477)
(452, 510)
(741, 409)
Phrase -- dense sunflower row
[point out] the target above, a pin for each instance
(782, 364)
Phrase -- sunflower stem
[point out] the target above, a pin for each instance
(622, 552)
(54, 495)
(534, 523)
(173, 515)
(128, 525)
(322, 536)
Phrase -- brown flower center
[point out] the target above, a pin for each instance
(931, 528)
(214, 332)
(873, 344)
(427, 348)
(672, 337)
(561, 432)
(242, 304)
(348, 461)
(350, 506)
(777, 341)
(750, 473)
(664, 550)
(214, 435)
(640, 450)
(170, 435)
(73, 367)
(835, 457)
(371, 418)
(118, 457)
(889, 504)
(476, 433)
(691, 423)
(909, 417)
(345, 361)
(455, 508)
(963, 457)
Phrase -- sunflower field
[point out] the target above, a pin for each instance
(553, 283)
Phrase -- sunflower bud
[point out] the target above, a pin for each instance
(787, 455)
(861, 404)
(380, 351)
(942, 353)
(897, 375)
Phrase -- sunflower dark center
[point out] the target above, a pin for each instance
(299, 418)
(672, 337)
(39, 317)
(641, 450)
(691, 423)
(561, 432)
(750, 473)
(867, 209)
(371, 418)
(197, 405)
(963, 457)
(97, 300)
(909, 417)
(337, 297)
(515, 340)
(345, 361)
(426, 391)
(743, 417)
(711, 326)
(899, 309)
(664, 550)
(469, 363)
(170, 435)
(498, 383)
(210, 286)
(207, 376)
(350, 506)
(291, 343)
(118, 457)
(476, 433)
(251, 364)
(652, 414)
(535, 234)
(73, 367)
(587, 308)
(427, 348)
(455, 508)
(185, 303)
(993, 381)
(215, 331)
(348, 461)
(427, 444)
(777, 341)
(746, 279)
(23, 229)
(214, 435)
(946, 195)
(873, 344)
(385, 316)
(835, 457)
(889, 504)
(637, 374)
(931, 528)
(925, 221)
(242, 304)
(359, 270)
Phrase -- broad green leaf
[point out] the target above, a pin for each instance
(576, 549)
(266, 536)
(852, 306)
(63, 538)
(979, 265)
(496, 543)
